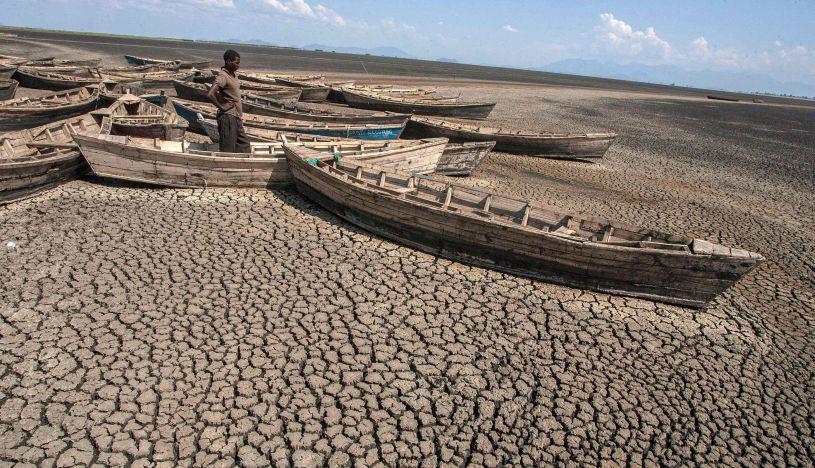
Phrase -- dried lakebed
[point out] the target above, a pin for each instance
(218, 326)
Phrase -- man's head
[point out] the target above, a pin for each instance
(232, 60)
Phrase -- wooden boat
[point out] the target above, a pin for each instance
(556, 145)
(461, 159)
(502, 233)
(58, 63)
(199, 64)
(269, 78)
(458, 159)
(14, 60)
(722, 98)
(193, 111)
(7, 70)
(53, 81)
(186, 164)
(136, 60)
(166, 66)
(264, 106)
(34, 111)
(34, 160)
(159, 79)
(310, 91)
(440, 107)
(198, 92)
(75, 71)
(7, 89)
(133, 116)
(107, 98)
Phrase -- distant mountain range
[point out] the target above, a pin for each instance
(671, 75)
(381, 51)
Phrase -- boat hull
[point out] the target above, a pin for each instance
(664, 277)
(17, 119)
(298, 114)
(462, 159)
(468, 111)
(314, 94)
(566, 147)
(21, 180)
(160, 131)
(8, 89)
(7, 72)
(33, 80)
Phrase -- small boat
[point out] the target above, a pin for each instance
(159, 79)
(29, 78)
(555, 145)
(155, 67)
(518, 237)
(458, 159)
(193, 111)
(198, 92)
(264, 106)
(30, 112)
(461, 159)
(310, 91)
(7, 70)
(187, 164)
(722, 98)
(199, 64)
(136, 60)
(7, 89)
(36, 159)
(107, 98)
(269, 78)
(424, 106)
(59, 63)
(75, 71)
(133, 116)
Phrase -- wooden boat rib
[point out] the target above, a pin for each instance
(7, 89)
(426, 106)
(456, 159)
(311, 91)
(515, 236)
(34, 160)
(198, 92)
(557, 145)
(52, 81)
(31, 112)
(186, 164)
(192, 110)
(133, 116)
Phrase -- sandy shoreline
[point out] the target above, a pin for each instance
(153, 325)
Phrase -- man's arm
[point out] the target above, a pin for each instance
(213, 96)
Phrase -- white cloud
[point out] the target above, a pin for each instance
(300, 8)
(620, 37)
(215, 3)
(391, 24)
(509, 28)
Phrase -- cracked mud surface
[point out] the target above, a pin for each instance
(178, 327)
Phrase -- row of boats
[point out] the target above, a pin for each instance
(358, 165)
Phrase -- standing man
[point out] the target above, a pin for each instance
(225, 93)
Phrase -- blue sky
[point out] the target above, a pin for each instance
(776, 39)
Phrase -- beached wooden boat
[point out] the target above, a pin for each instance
(192, 110)
(29, 78)
(7, 70)
(518, 237)
(311, 91)
(7, 89)
(270, 78)
(75, 71)
(186, 164)
(199, 64)
(107, 97)
(198, 92)
(722, 98)
(166, 66)
(36, 159)
(262, 106)
(461, 159)
(412, 105)
(57, 63)
(159, 79)
(136, 60)
(31, 112)
(133, 116)
(554, 145)
(458, 159)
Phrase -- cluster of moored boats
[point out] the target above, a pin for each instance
(372, 165)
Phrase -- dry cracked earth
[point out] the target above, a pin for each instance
(145, 326)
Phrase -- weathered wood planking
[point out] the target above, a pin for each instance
(311, 91)
(554, 145)
(133, 116)
(412, 105)
(7, 70)
(31, 112)
(198, 92)
(158, 79)
(511, 235)
(30, 78)
(263, 106)
(461, 159)
(8, 88)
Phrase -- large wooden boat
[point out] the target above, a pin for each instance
(58, 63)
(159, 79)
(311, 91)
(264, 106)
(412, 105)
(133, 116)
(7, 89)
(34, 160)
(269, 78)
(457, 159)
(186, 164)
(192, 111)
(555, 145)
(198, 92)
(85, 72)
(34, 111)
(108, 97)
(515, 236)
(165, 66)
(29, 78)
(136, 60)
